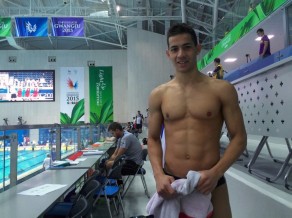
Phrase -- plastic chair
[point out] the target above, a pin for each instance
(85, 189)
(63, 209)
(111, 191)
(81, 208)
(141, 172)
(287, 185)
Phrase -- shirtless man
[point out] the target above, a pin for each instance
(192, 107)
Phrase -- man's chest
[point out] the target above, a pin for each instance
(202, 106)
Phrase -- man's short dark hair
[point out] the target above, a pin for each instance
(261, 30)
(181, 28)
(114, 126)
(217, 60)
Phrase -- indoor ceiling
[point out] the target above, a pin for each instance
(106, 27)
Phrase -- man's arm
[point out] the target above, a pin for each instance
(114, 155)
(235, 125)
(216, 72)
(217, 69)
(266, 44)
(155, 120)
(118, 152)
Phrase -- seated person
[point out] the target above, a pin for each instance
(128, 127)
(127, 145)
(47, 162)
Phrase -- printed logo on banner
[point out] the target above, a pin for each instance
(68, 26)
(31, 26)
(5, 27)
(100, 87)
(71, 84)
(100, 94)
(72, 97)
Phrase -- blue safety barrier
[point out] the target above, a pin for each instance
(258, 64)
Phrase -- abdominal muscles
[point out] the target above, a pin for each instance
(193, 147)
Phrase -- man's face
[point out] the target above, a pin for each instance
(259, 33)
(116, 133)
(182, 52)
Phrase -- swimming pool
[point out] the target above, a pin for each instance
(27, 160)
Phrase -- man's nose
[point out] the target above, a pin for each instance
(180, 52)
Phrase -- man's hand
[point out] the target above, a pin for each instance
(109, 164)
(208, 182)
(163, 186)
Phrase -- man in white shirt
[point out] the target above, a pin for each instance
(47, 162)
(139, 121)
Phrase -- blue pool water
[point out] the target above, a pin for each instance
(27, 160)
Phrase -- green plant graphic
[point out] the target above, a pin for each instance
(76, 114)
(268, 7)
(245, 28)
(105, 116)
(264, 9)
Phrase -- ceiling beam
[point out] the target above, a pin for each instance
(212, 6)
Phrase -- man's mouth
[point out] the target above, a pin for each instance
(182, 62)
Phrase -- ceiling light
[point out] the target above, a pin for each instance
(118, 8)
(259, 38)
(230, 59)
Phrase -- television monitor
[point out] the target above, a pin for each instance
(27, 85)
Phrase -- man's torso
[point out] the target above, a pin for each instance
(139, 119)
(265, 39)
(193, 121)
(132, 146)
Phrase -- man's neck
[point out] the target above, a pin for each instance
(188, 77)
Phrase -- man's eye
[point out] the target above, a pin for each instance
(173, 49)
(187, 47)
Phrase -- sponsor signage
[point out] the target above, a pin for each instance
(31, 26)
(5, 27)
(68, 26)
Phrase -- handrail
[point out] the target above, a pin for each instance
(259, 66)
(78, 136)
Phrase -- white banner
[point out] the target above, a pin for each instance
(71, 92)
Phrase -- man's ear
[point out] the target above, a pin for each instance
(199, 48)
(167, 53)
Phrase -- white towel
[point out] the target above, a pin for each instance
(188, 201)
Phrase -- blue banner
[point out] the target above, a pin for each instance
(68, 26)
(31, 26)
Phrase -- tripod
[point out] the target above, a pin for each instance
(248, 59)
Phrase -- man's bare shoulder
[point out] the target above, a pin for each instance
(223, 88)
(157, 95)
(159, 90)
(220, 84)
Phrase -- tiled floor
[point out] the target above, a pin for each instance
(135, 201)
